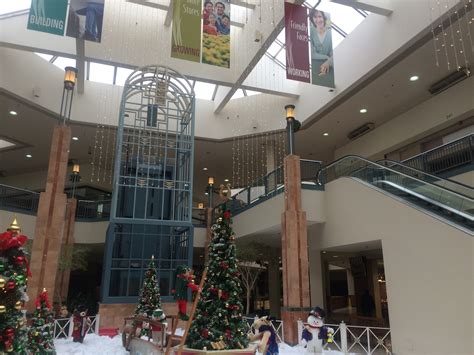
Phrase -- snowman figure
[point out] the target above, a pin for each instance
(315, 332)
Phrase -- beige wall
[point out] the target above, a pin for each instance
(428, 264)
(424, 119)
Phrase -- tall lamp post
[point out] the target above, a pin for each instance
(210, 190)
(70, 76)
(292, 126)
(74, 177)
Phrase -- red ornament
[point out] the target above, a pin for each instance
(19, 260)
(225, 295)
(10, 285)
(224, 265)
(227, 214)
(9, 332)
(205, 333)
(228, 334)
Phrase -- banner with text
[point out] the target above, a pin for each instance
(216, 33)
(85, 19)
(186, 33)
(48, 16)
(296, 36)
(322, 64)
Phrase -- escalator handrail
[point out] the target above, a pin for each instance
(369, 162)
(427, 199)
(437, 177)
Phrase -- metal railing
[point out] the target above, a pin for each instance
(93, 210)
(276, 324)
(357, 339)
(63, 327)
(446, 157)
(199, 217)
(13, 198)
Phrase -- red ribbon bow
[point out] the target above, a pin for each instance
(10, 240)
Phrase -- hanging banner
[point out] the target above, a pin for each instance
(186, 34)
(296, 37)
(85, 19)
(216, 33)
(48, 16)
(322, 64)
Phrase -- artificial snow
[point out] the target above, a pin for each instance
(93, 344)
(103, 345)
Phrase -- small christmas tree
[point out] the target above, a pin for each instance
(149, 302)
(13, 280)
(40, 333)
(218, 322)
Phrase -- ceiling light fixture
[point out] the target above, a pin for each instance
(226, 180)
(13, 113)
(363, 110)
(205, 169)
(325, 134)
(414, 78)
(29, 156)
(75, 138)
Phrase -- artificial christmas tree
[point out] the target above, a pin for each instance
(13, 280)
(40, 333)
(218, 323)
(149, 303)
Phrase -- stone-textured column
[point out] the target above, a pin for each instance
(50, 219)
(63, 278)
(208, 233)
(296, 288)
(274, 284)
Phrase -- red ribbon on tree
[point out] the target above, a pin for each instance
(227, 214)
(10, 240)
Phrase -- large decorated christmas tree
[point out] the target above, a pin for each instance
(149, 303)
(13, 280)
(40, 333)
(218, 322)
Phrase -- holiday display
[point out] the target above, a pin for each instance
(184, 280)
(315, 332)
(81, 324)
(14, 274)
(218, 322)
(266, 334)
(41, 331)
(149, 303)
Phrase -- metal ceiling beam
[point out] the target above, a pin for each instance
(80, 64)
(260, 53)
(379, 7)
(169, 10)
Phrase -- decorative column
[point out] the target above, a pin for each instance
(68, 244)
(296, 287)
(274, 283)
(50, 218)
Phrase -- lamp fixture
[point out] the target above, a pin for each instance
(290, 112)
(29, 156)
(414, 78)
(76, 168)
(75, 138)
(363, 110)
(210, 181)
(70, 76)
(200, 205)
(13, 113)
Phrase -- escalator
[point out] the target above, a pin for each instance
(444, 199)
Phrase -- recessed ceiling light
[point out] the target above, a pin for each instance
(75, 138)
(414, 78)
(363, 110)
(29, 156)
(325, 134)
(335, 256)
(13, 113)
(206, 193)
(226, 180)
(205, 169)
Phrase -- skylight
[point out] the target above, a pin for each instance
(5, 144)
(62, 62)
(101, 73)
(122, 75)
(204, 90)
(9, 6)
(46, 57)
(344, 20)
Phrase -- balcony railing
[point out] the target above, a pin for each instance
(15, 199)
(447, 157)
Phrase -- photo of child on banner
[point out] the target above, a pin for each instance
(216, 33)
(85, 19)
(321, 49)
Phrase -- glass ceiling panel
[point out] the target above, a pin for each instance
(46, 57)
(204, 90)
(122, 75)
(8, 6)
(238, 94)
(62, 62)
(101, 73)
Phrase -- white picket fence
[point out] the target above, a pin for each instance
(63, 327)
(357, 339)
